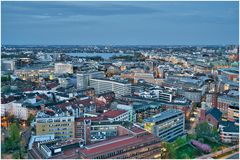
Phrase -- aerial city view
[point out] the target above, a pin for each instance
(119, 80)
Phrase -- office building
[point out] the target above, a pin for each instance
(83, 78)
(61, 68)
(167, 125)
(120, 88)
(164, 96)
(61, 126)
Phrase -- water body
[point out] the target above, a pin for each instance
(103, 55)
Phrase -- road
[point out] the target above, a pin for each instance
(194, 124)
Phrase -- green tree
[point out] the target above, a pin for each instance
(168, 151)
(191, 136)
(185, 156)
(30, 119)
(13, 141)
(203, 129)
(215, 133)
(179, 141)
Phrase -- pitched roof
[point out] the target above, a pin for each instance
(216, 113)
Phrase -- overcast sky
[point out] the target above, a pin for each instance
(120, 23)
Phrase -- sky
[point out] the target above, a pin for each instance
(119, 23)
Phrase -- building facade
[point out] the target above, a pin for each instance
(62, 127)
(61, 68)
(83, 78)
(120, 88)
(224, 101)
(8, 65)
(166, 125)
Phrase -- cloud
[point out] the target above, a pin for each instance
(79, 8)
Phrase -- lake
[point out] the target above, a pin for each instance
(103, 55)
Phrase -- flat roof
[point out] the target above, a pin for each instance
(112, 80)
(163, 115)
(103, 147)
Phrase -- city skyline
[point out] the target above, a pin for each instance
(120, 23)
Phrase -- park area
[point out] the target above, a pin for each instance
(204, 141)
(186, 152)
(189, 151)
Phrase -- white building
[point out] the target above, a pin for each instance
(120, 88)
(83, 78)
(129, 109)
(6, 108)
(117, 115)
(19, 111)
(61, 68)
(163, 95)
(8, 65)
(40, 138)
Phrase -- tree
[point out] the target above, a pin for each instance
(179, 141)
(201, 146)
(10, 118)
(215, 133)
(185, 156)
(13, 141)
(168, 151)
(204, 129)
(30, 119)
(191, 136)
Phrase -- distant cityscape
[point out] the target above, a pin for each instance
(120, 80)
(108, 102)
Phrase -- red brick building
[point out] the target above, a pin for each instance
(212, 116)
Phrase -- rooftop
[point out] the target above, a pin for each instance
(118, 142)
(113, 113)
(229, 126)
(124, 81)
(216, 113)
(164, 115)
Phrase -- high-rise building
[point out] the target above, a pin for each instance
(166, 125)
(61, 68)
(83, 78)
(120, 88)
